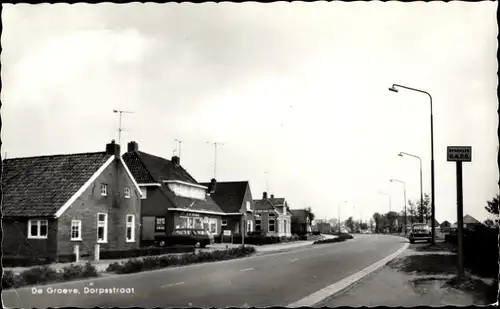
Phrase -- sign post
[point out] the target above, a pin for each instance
(460, 154)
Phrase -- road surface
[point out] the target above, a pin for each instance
(261, 281)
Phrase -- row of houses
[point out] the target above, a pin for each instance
(112, 201)
(445, 226)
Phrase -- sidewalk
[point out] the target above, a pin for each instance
(400, 284)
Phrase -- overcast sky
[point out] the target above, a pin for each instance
(299, 90)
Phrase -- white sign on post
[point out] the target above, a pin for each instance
(227, 232)
(459, 153)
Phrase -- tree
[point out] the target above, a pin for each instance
(376, 218)
(492, 206)
(350, 223)
(310, 214)
(489, 223)
(418, 211)
(372, 224)
(411, 212)
(391, 219)
(363, 226)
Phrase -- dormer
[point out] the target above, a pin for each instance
(186, 189)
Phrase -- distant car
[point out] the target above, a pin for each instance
(420, 231)
(199, 238)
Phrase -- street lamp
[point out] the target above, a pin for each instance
(393, 89)
(402, 154)
(404, 188)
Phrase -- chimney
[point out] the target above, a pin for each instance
(212, 186)
(264, 195)
(133, 147)
(272, 196)
(176, 161)
(113, 149)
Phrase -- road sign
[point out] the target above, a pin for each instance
(459, 153)
(227, 232)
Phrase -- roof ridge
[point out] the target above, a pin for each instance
(170, 162)
(56, 155)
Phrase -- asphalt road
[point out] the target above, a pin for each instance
(261, 281)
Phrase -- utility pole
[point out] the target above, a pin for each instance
(120, 129)
(215, 156)
(179, 142)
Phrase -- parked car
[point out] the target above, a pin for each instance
(420, 231)
(199, 238)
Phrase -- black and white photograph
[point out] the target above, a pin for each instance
(216, 155)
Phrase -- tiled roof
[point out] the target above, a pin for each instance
(278, 201)
(264, 204)
(468, 219)
(137, 168)
(163, 169)
(39, 186)
(229, 195)
(148, 168)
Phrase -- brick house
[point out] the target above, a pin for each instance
(235, 200)
(56, 205)
(272, 220)
(301, 224)
(171, 197)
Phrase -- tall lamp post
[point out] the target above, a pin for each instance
(404, 188)
(393, 88)
(401, 154)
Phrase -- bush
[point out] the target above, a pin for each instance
(78, 271)
(157, 262)
(146, 251)
(316, 233)
(41, 274)
(11, 280)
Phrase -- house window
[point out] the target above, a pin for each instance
(213, 226)
(102, 227)
(183, 222)
(160, 224)
(249, 226)
(130, 228)
(76, 230)
(223, 223)
(271, 222)
(258, 225)
(190, 222)
(38, 229)
(104, 189)
(126, 192)
(198, 223)
(144, 192)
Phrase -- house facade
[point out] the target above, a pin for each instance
(235, 199)
(58, 205)
(301, 223)
(445, 227)
(269, 219)
(172, 198)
